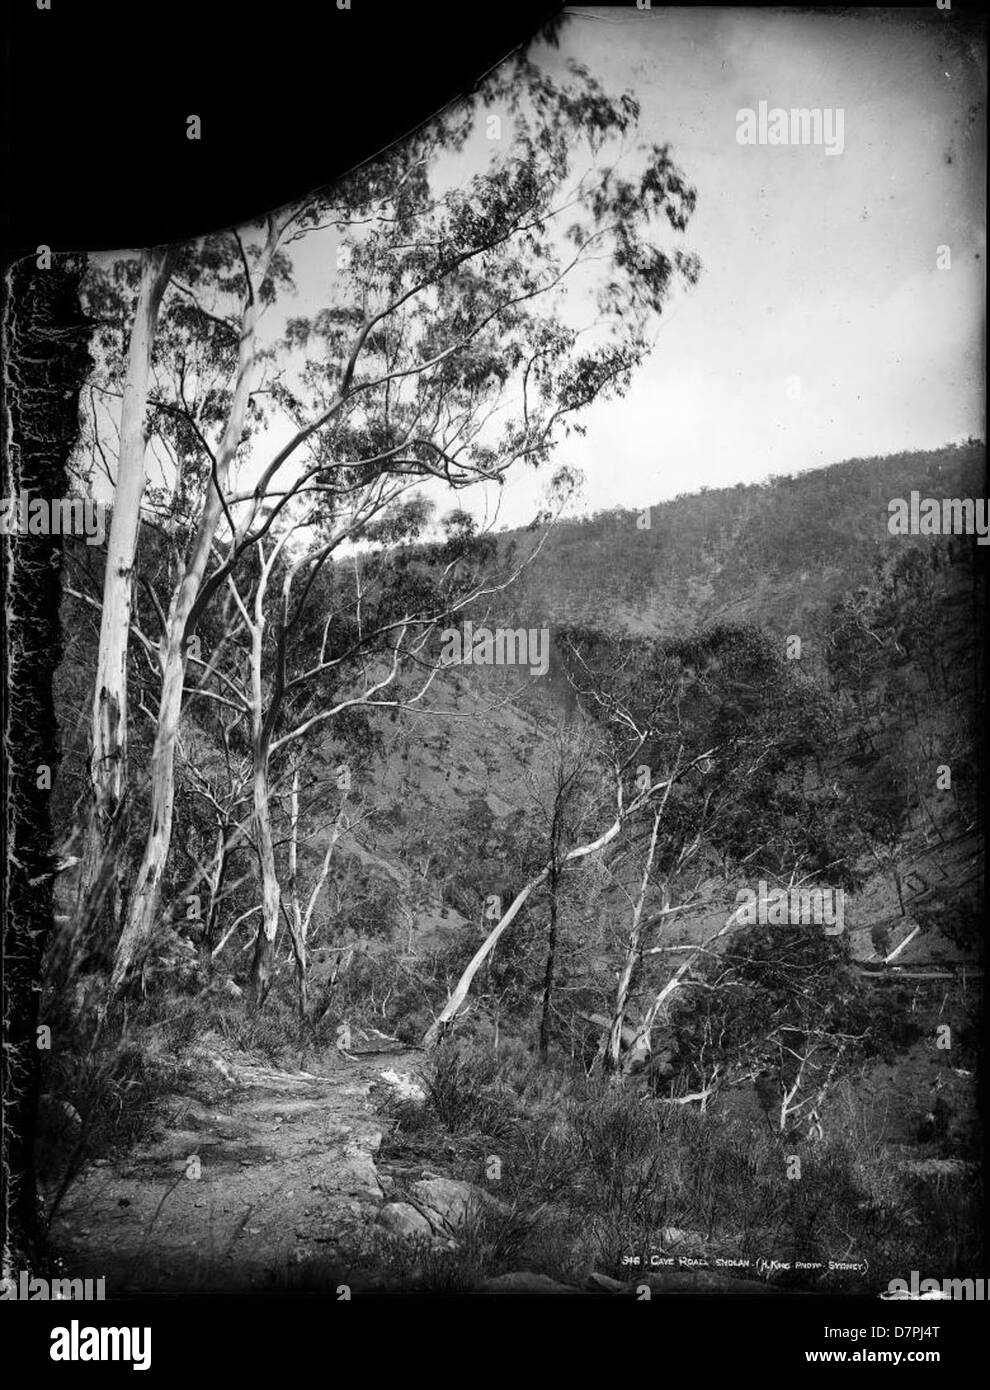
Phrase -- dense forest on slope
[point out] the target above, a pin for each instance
(847, 762)
(775, 553)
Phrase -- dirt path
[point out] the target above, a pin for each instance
(286, 1174)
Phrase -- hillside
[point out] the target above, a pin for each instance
(774, 553)
(830, 770)
(784, 556)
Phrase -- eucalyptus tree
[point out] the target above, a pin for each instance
(108, 736)
(448, 345)
(346, 640)
(166, 342)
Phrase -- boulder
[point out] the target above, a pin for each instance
(450, 1201)
(403, 1087)
(674, 1235)
(402, 1219)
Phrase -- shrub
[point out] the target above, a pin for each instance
(463, 1091)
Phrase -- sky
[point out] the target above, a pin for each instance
(816, 266)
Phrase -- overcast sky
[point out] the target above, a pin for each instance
(817, 266)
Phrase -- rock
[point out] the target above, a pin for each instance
(402, 1219)
(601, 1283)
(499, 808)
(674, 1235)
(351, 1171)
(403, 1087)
(450, 1201)
(525, 1281)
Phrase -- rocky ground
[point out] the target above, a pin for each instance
(259, 1173)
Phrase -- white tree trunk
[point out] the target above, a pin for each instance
(108, 724)
(218, 872)
(633, 954)
(295, 908)
(642, 1045)
(271, 893)
(146, 895)
(143, 909)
